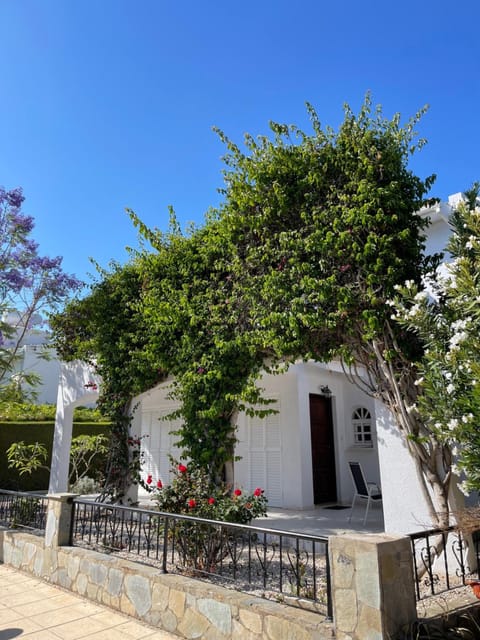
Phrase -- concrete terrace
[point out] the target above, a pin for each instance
(324, 520)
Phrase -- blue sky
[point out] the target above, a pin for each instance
(107, 104)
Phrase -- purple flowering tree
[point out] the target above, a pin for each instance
(31, 286)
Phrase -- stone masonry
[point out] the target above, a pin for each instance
(372, 586)
(181, 605)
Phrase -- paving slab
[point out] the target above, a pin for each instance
(36, 610)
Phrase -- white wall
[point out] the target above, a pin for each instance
(292, 390)
(404, 509)
(439, 230)
(48, 370)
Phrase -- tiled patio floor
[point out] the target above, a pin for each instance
(33, 609)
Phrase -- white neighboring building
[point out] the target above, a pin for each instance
(300, 454)
(31, 357)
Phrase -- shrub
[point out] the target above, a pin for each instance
(192, 492)
(86, 486)
(27, 412)
(87, 456)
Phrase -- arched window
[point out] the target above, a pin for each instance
(362, 427)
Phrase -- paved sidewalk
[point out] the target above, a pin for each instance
(33, 609)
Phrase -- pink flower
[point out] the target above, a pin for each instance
(192, 504)
(258, 492)
(159, 484)
(149, 479)
(211, 501)
(182, 468)
(237, 492)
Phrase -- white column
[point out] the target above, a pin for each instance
(77, 384)
(62, 440)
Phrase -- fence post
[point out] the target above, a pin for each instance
(165, 545)
(373, 589)
(58, 528)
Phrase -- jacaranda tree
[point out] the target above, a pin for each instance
(31, 285)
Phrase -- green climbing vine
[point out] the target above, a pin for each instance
(298, 261)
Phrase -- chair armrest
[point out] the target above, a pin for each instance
(373, 488)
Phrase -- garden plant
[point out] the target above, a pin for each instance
(192, 492)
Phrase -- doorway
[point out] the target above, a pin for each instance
(323, 449)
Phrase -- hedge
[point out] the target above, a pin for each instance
(31, 432)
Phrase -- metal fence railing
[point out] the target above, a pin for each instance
(265, 561)
(23, 510)
(443, 560)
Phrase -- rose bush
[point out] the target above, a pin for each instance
(192, 492)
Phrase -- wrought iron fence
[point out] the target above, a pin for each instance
(443, 560)
(23, 510)
(279, 564)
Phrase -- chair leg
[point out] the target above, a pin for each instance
(351, 508)
(366, 511)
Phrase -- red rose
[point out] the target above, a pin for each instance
(182, 468)
(159, 484)
(258, 492)
(237, 492)
(211, 501)
(192, 503)
(149, 479)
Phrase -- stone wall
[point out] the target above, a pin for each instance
(372, 586)
(184, 606)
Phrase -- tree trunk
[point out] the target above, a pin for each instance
(393, 382)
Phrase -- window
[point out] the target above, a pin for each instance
(362, 427)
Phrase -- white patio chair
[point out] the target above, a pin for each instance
(364, 490)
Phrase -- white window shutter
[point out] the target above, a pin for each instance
(265, 456)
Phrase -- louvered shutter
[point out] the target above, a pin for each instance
(265, 456)
(159, 444)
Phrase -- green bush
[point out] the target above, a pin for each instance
(25, 412)
(192, 492)
(31, 432)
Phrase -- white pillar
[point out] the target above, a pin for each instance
(62, 440)
(77, 385)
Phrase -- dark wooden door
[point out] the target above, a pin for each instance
(323, 450)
